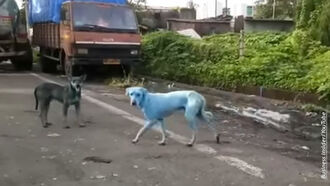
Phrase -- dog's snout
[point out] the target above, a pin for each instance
(133, 103)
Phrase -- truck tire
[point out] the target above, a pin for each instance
(127, 69)
(47, 65)
(25, 62)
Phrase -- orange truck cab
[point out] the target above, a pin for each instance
(87, 33)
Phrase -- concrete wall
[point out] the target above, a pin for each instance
(256, 25)
(187, 13)
(157, 18)
(201, 27)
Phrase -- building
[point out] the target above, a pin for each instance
(207, 8)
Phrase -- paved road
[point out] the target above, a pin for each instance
(32, 155)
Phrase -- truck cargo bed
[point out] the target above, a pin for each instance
(42, 11)
(46, 35)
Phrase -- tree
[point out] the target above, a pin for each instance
(314, 16)
(191, 4)
(284, 9)
(137, 4)
(321, 30)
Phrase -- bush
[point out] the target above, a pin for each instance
(288, 61)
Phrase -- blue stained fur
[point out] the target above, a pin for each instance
(157, 106)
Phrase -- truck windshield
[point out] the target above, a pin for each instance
(88, 16)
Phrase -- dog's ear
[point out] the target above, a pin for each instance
(143, 90)
(127, 91)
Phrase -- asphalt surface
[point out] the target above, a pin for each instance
(32, 155)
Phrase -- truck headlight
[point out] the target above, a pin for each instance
(134, 52)
(82, 51)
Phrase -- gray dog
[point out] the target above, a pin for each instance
(68, 95)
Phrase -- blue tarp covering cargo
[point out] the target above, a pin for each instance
(50, 10)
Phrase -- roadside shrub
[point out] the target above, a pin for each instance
(318, 78)
(288, 61)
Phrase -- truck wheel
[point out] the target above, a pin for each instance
(22, 65)
(126, 70)
(25, 62)
(47, 65)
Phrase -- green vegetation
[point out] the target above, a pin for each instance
(287, 61)
(314, 17)
(284, 9)
(124, 82)
(299, 61)
(35, 56)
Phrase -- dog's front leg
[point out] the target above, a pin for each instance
(147, 126)
(78, 119)
(163, 131)
(65, 115)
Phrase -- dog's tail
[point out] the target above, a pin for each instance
(36, 98)
(206, 115)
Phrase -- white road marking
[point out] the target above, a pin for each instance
(242, 165)
(14, 74)
(43, 78)
(16, 91)
(232, 161)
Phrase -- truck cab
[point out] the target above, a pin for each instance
(90, 33)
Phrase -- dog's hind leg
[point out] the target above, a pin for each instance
(44, 106)
(211, 126)
(191, 112)
(193, 136)
(191, 118)
(46, 115)
(163, 131)
(147, 126)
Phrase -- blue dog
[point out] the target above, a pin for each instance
(157, 106)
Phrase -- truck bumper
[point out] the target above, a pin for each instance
(97, 61)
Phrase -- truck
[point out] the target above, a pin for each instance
(73, 35)
(14, 43)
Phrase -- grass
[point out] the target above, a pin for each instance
(35, 56)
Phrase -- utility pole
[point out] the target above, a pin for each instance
(241, 44)
(216, 8)
(225, 13)
(274, 9)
